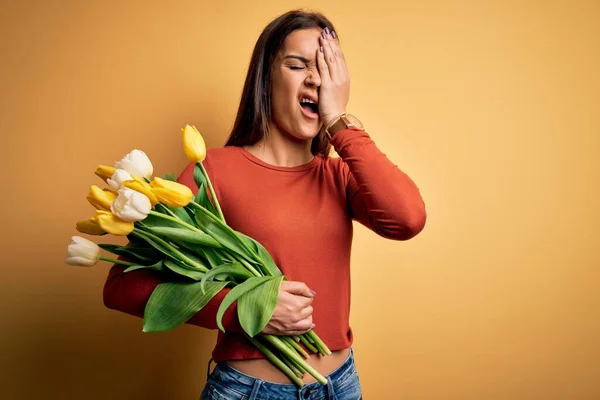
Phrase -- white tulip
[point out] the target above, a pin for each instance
(136, 163)
(131, 205)
(82, 252)
(118, 177)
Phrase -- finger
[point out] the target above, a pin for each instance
(304, 325)
(297, 288)
(330, 57)
(294, 333)
(337, 50)
(305, 312)
(334, 56)
(322, 65)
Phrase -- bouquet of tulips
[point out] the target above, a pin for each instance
(186, 236)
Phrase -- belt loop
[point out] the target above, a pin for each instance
(208, 369)
(255, 389)
(330, 391)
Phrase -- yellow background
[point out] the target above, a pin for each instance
(491, 107)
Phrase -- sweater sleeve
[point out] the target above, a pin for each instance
(379, 195)
(129, 292)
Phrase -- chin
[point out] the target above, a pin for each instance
(303, 133)
(307, 134)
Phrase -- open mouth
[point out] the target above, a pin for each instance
(309, 106)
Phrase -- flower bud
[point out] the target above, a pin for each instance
(89, 227)
(136, 163)
(141, 186)
(101, 199)
(171, 193)
(82, 252)
(131, 205)
(104, 172)
(105, 222)
(117, 179)
(112, 224)
(193, 144)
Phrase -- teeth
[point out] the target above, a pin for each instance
(305, 100)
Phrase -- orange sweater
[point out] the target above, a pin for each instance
(303, 216)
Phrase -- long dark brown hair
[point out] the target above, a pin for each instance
(252, 120)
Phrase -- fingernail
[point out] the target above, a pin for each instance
(333, 34)
(313, 292)
(327, 30)
(321, 49)
(313, 326)
(323, 34)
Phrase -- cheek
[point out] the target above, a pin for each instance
(283, 98)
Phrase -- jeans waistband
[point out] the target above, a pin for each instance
(228, 376)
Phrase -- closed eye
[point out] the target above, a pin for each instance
(295, 67)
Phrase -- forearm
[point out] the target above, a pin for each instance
(380, 195)
(129, 292)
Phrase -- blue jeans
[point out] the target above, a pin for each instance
(227, 383)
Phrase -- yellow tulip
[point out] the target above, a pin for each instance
(143, 187)
(193, 144)
(110, 223)
(171, 193)
(101, 199)
(105, 222)
(89, 227)
(105, 172)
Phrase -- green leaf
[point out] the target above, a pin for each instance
(236, 292)
(264, 255)
(170, 177)
(185, 235)
(173, 303)
(158, 246)
(221, 232)
(203, 199)
(181, 269)
(210, 256)
(235, 270)
(199, 178)
(155, 267)
(152, 220)
(193, 256)
(134, 252)
(216, 257)
(179, 212)
(268, 261)
(256, 306)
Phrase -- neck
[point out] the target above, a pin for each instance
(282, 150)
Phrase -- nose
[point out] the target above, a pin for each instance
(313, 79)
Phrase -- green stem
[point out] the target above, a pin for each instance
(295, 346)
(278, 363)
(308, 344)
(175, 219)
(319, 343)
(227, 227)
(297, 366)
(148, 235)
(246, 264)
(292, 365)
(171, 213)
(279, 345)
(115, 261)
(212, 192)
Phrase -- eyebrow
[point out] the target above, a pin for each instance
(303, 59)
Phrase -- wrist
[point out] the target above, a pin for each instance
(340, 122)
(331, 117)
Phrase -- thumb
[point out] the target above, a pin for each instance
(297, 288)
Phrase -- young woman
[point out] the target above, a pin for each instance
(276, 183)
